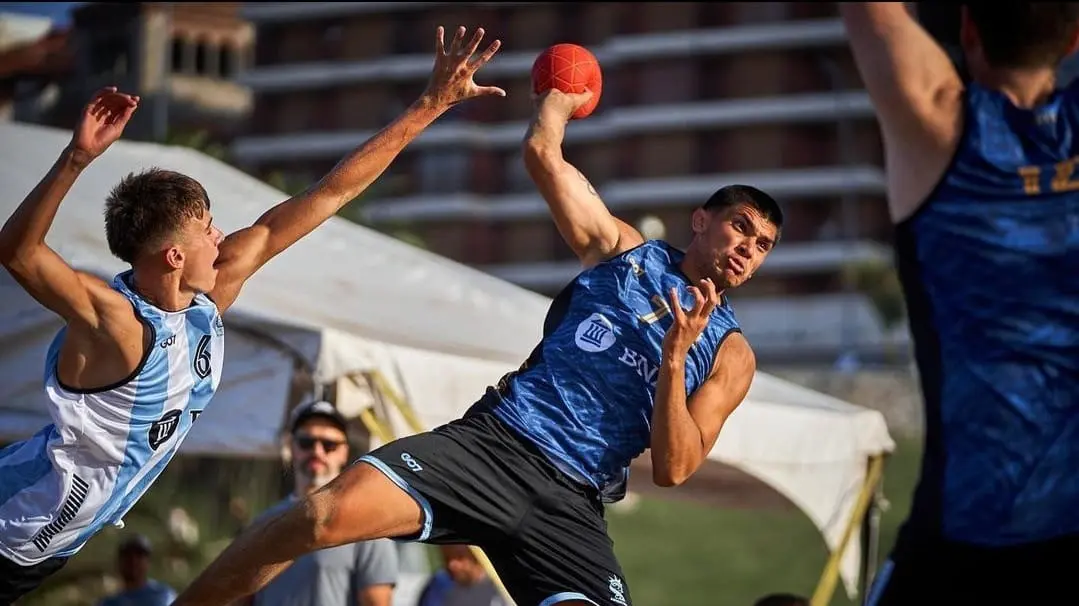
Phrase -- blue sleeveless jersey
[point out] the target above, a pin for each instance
(990, 266)
(584, 397)
(106, 447)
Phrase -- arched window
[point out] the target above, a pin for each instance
(179, 49)
(202, 58)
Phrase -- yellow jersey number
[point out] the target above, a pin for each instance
(1062, 178)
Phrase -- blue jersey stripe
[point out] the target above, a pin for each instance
(21, 465)
(149, 404)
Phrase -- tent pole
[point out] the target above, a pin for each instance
(378, 382)
(871, 552)
(826, 586)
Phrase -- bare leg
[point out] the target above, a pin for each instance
(360, 504)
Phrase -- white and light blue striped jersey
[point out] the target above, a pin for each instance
(106, 447)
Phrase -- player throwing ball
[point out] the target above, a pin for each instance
(641, 350)
(140, 357)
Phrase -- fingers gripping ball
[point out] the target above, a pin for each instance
(571, 69)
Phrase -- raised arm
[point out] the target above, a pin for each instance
(916, 92)
(82, 300)
(242, 253)
(583, 220)
(684, 430)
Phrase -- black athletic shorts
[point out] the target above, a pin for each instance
(941, 572)
(17, 581)
(479, 483)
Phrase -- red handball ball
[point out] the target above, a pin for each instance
(571, 69)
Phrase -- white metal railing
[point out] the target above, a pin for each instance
(612, 124)
(276, 12)
(619, 49)
(790, 258)
(662, 192)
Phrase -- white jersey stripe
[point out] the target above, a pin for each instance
(138, 456)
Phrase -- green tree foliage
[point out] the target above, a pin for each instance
(879, 281)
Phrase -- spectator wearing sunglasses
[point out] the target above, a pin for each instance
(357, 574)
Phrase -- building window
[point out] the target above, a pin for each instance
(179, 54)
(202, 58)
(230, 62)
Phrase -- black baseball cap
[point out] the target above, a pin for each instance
(138, 543)
(319, 408)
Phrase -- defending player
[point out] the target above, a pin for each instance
(986, 207)
(640, 350)
(140, 357)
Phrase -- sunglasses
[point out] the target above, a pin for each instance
(308, 443)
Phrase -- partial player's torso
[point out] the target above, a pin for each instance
(107, 446)
(991, 266)
(588, 390)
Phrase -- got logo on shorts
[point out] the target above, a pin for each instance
(595, 334)
(413, 464)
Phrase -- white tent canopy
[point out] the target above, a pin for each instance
(349, 300)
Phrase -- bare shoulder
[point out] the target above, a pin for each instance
(627, 238)
(106, 299)
(735, 357)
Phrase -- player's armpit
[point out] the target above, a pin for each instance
(917, 95)
(909, 77)
(579, 213)
(724, 390)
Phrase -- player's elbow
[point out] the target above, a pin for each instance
(17, 259)
(11, 249)
(668, 474)
(669, 478)
(541, 157)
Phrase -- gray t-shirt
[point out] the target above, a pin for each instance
(330, 577)
(153, 593)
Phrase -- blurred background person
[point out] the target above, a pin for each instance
(361, 574)
(133, 564)
(463, 581)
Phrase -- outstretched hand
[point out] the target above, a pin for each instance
(688, 326)
(103, 121)
(452, 78)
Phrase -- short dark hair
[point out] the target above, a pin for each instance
(144, 208)
(1017, 35)
(731, 195)
(782, 599)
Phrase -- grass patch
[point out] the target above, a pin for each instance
(676, 553)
